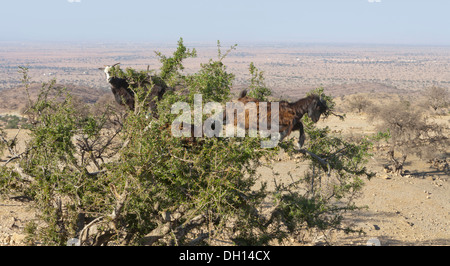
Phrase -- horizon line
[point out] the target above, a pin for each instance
(224, 42)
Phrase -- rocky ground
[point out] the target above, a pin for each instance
(408, 210)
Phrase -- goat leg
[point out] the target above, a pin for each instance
(288, 129)
(301, 137)
(301, 140)
(284, 133)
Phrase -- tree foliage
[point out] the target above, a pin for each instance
(172, 65)
(258, 88)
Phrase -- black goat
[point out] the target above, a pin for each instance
(124, 95)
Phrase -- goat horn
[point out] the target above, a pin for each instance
(115, 64)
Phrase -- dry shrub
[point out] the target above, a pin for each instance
(410, 130)
(359, 103)
(437, 97)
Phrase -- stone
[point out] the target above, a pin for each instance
(17, 239)
(373, 242)
(11, 222)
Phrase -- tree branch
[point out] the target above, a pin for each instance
(320, 160)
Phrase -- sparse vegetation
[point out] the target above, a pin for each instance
(437, 97)
(407, 124)
(13, 122)
(290, 70)
(410, 131)
(359, 103)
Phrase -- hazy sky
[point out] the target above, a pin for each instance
(342, 21)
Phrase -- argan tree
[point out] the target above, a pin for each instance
(107, 178)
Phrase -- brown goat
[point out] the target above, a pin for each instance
(290, 114)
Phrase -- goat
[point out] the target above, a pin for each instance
(290, 114)
(124, 94)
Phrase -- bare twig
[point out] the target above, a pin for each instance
(320, 160)
(84, 234)
(9, 145)
(22, 174)
(120, 201)
(398, 165)
(183, 160)
(199, 239)
(186, 227)
(18, 156)
(340, 116)
(108, 223)
(158, 233)
(96, 173)
(169, 225)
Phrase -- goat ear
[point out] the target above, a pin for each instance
(312, 106)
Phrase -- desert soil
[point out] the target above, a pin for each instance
(413, 209)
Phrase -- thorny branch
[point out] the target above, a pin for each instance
(320, 160)
(91, 233)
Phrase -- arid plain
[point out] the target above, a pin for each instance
(412, 209)
(290, 69)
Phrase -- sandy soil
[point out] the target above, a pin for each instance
(409, 210)
(401, 210)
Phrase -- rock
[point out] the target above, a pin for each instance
(17, 239)
(408, 222)
(11, 222)
(7, 240)
(73, 242)
(430, 177)
(373, 242)
(386, 177)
